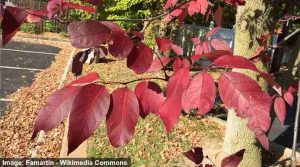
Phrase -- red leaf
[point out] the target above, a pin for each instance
(54, 7)
(80, 58)
(220, 44)
(262, 41)
(289, 98)
(216, 54)
(181, 63)
(150, 97)
(33, 19)
(88, 34)
(199, 50)
(195, 57)
(78, 61)
(195, 155)
(77, 6)
(123, 117)
(194, 7)
(171, 108)
(280, 109)
(240, 92)
(182, 17)
(177, 49)
(206, 48)
(293, 87)
(177, 64)
(113, 27)
(98, 3)
(236, 2)
(159, 63)
(203, 5)
(121, 46)
(230, 61)
(170, 3)
(35, 16)
(88, 79)
(208, 165)
(176, 12)
(185, 63)
(196, 41)
(212, 32)
(59, 104)
(168, 18)
(140, 59)
(218, 16)
(163, 44)
(233, 160)
(13, 18)
(201, 94)
(89, 109)
(262, 138)
(138, 34)
(257, 52)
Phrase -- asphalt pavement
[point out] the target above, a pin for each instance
(19, 62)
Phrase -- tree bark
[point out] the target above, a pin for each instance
(252, 20)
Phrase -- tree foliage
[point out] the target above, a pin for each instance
(88, 102)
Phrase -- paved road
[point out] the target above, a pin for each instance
(18, 66)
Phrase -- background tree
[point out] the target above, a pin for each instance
(252, 21)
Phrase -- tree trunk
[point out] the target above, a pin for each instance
(252, 20)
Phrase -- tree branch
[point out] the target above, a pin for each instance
(128, 82)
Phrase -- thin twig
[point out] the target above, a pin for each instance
(207, 157)
(158, 56)
(146, 26)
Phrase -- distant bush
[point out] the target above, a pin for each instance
(28, 28)
(49, 26)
